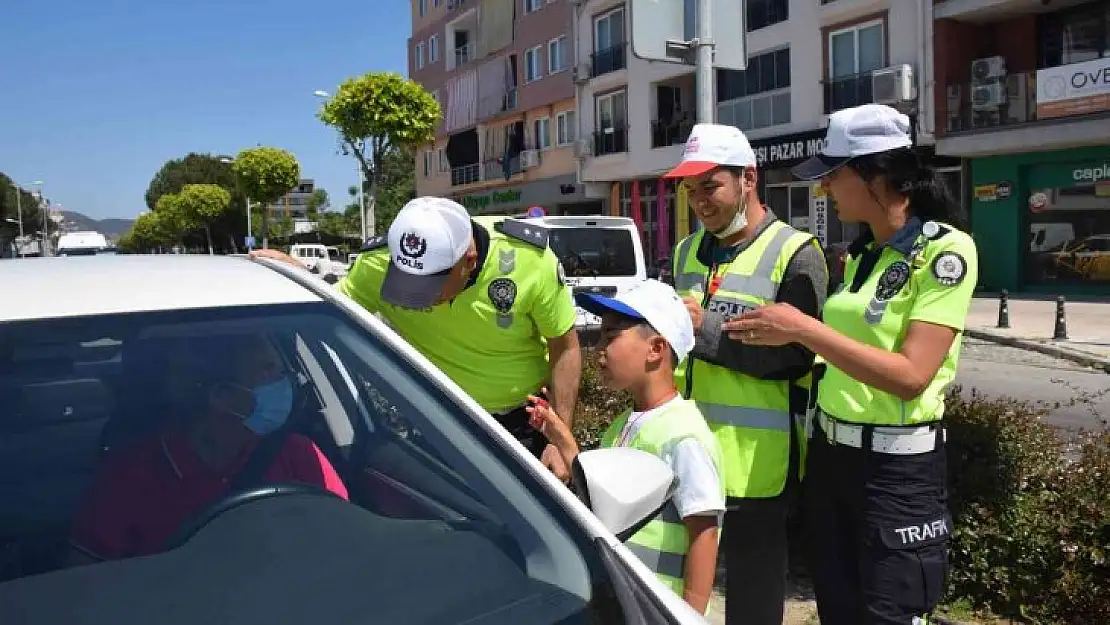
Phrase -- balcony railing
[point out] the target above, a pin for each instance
(610, 141)
(464, 54)
(466, 174)
(848, 91)
(667, 133)
(609, 60)
(1010, 101)
(497, 168)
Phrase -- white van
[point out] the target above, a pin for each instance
(322, 260)
(600, 254)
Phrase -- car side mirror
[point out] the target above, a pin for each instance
(625, 488)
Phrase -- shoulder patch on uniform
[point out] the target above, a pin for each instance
(522, 231)
(949, 268)
(375, 243)
(933, 231)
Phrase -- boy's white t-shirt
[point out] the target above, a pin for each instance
(699, 491)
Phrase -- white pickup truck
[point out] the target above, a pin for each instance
(322, 260)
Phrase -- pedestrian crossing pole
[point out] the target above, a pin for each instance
(703, 61)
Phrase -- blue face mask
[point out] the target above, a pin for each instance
(272, 404)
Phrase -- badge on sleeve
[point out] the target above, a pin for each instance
(949, 268)
(892, 280)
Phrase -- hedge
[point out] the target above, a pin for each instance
(1031, 506)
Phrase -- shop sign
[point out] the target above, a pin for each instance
(1073, 89)
(788, 150)
(819, 204)
(986, 192)
(478, 203)
(1038, 201)
(1086, 175)
(1004, 190)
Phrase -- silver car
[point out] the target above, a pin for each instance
(447, 518)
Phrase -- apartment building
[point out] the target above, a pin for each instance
(806, 59)
(1023, 93)
(501, 71)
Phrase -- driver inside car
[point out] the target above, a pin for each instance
(229, 392)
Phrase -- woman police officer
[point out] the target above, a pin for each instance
(876, 494)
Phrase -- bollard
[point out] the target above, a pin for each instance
(1060, 332)
(1003, 309)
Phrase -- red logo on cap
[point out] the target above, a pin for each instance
(413, 245)
(691, 146)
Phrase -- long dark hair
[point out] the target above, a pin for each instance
(909, 177)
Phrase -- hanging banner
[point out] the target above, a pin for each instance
(681, 213)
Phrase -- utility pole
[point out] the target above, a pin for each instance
(703, 61)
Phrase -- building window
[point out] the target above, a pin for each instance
(759, 96)
(557, 55)
(566, 129)
(541, 129)
(856, 50)
(532, 68)
(1074, 35)
(433, 48)
(763, 13)
(419, 55)
(1068, 230)
(444, 164)
(423, 7)
(611, 136)
(609, 48)
(428, 162)
(532, 5)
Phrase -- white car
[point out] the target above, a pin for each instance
(449, 519)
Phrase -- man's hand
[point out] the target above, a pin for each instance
(553, 460)
(277, 255)
(697, 313)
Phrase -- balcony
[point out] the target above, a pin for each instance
(668, 133)
(494, 105)
(465, 54)
(497, 168)
(612, 140)
(847, 91)
(1004, 117)
(982, 11)
(609, 60)
(466, 174)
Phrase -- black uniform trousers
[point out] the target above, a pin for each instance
(878, 528)
(754, 543)
(516, 422)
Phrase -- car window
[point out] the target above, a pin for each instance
(82, 393)
(594, 252)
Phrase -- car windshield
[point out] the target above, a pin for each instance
(595, 252)
(112, 432)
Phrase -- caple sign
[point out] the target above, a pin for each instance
(1091, 174)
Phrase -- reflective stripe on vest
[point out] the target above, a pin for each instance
(750, 417)
(663, 542)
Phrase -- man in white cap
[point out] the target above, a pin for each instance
(488, 306)
(741, 258)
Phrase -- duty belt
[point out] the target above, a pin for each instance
(902, 441)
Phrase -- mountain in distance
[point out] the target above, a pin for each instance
(110, 228)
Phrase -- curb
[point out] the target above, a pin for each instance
(1048, 349)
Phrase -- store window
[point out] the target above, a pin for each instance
(1069, 234)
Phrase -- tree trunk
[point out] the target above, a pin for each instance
(208, 238)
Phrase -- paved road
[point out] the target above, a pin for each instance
(999, 370)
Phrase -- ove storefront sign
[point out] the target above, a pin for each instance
(1075, 89)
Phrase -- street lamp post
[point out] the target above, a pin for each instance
(250, 233)
(320, 93)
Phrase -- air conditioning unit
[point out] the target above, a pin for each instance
(581, 73)
(893, 85)
(987, 69)
(582, 148)
(988, 95)
(529, 159)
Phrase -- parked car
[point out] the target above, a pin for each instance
(449, 519)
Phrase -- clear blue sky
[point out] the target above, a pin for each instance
(98, 94)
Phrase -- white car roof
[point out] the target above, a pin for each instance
(38, 288)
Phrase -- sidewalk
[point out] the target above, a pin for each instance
(1032, 322)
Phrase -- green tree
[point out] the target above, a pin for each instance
(28, 206)
(398, 186)
(265, 174)
(197, 168)
(317, 202)
(201, 205)
(148, 233)
(376, 113)
(173, 221)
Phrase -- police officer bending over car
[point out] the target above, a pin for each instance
(489, 307)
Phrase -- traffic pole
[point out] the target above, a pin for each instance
(1060, 332)
(1003, 309)
(703, 61)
